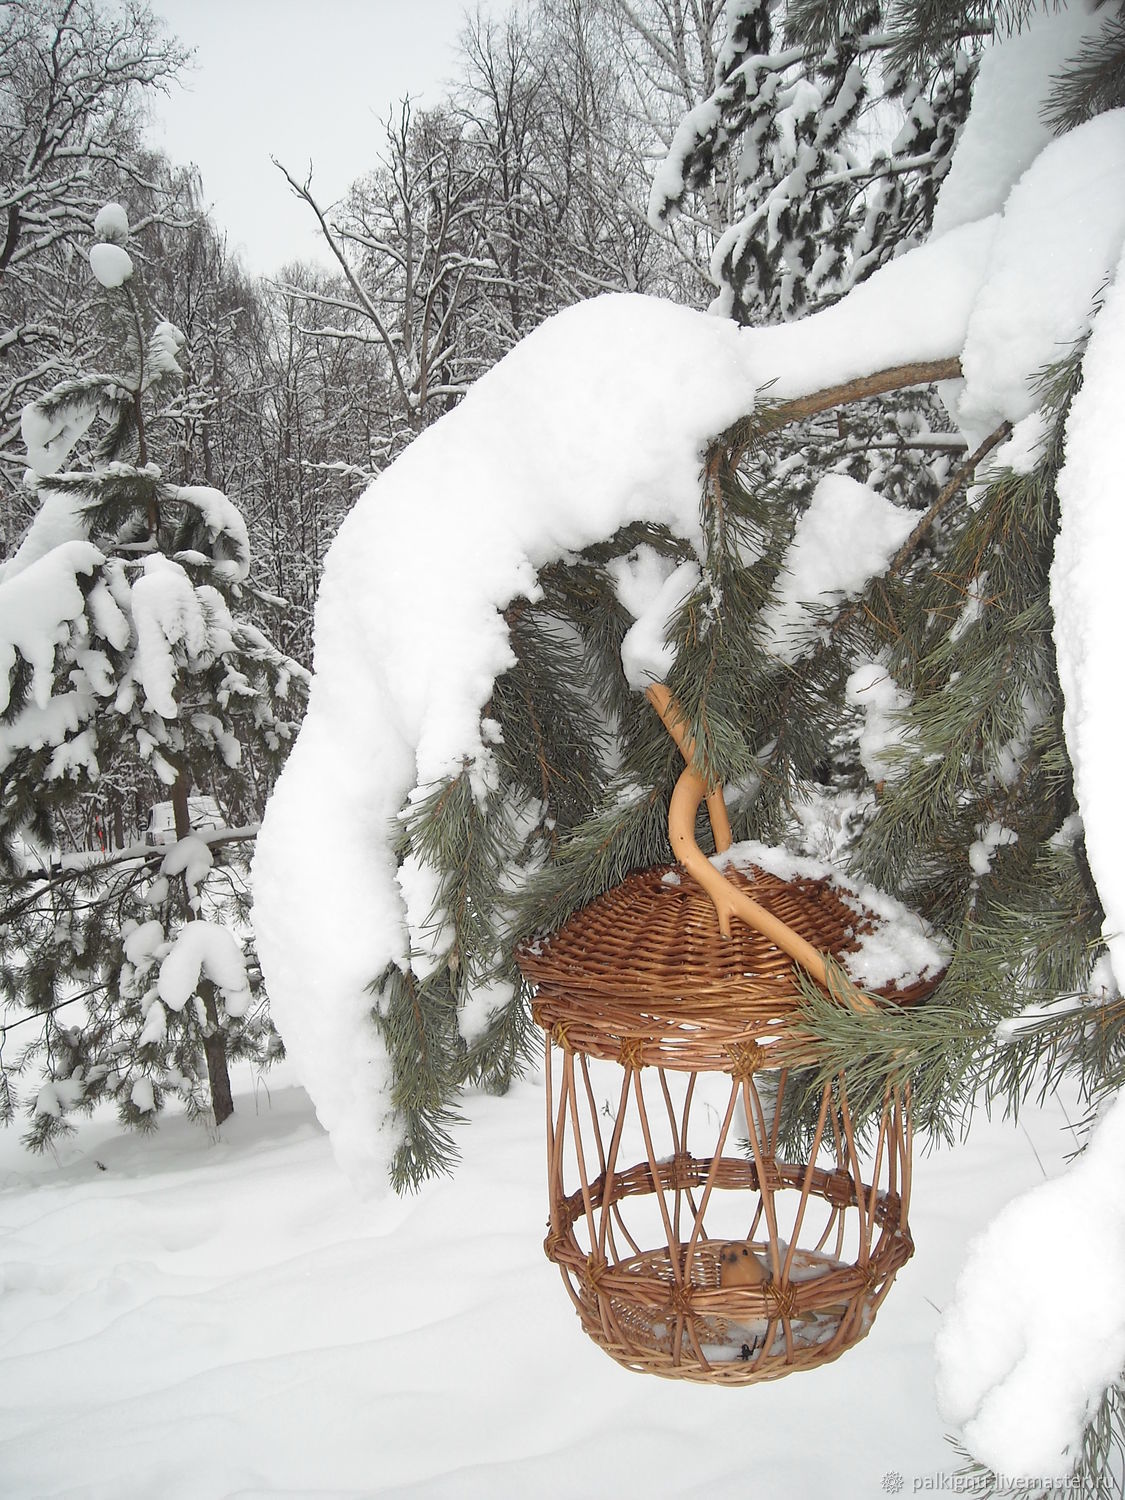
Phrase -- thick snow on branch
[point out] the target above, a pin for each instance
(600, 417)
(112, 265)
(210, 951)
(1036, 1330)
(819, 570)
(173, 621)
(38, 610)
(49, 435)
(58, 520)
(164, 344)
(1057, 245)
(668, 179)
(225, 526)
(111, 223)
(1086, 601)
(652, 588)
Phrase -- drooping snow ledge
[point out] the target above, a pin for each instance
(1085, 598)
(1024, 1354)
(1036, 1330)
(598, 418)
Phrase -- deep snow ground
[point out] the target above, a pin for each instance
(189, 1318)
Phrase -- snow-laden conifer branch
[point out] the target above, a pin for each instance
(642, 432)
(939, 711)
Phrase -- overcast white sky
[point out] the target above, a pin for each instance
(300, 80)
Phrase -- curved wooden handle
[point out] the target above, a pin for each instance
(727, 899)
(672, 717)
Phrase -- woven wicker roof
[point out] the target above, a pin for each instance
(655, 937)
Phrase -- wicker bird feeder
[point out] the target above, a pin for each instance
(672, 1020)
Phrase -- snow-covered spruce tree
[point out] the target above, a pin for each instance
(840, 151)
(128, 678)
(837, 149)
(75, 77)
(955, 660)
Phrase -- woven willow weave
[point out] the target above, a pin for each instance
(645, 969)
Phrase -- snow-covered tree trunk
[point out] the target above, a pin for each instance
(214, 1047)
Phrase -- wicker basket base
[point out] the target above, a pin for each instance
(711, 1256)
(665, 1311)
(696, 1330)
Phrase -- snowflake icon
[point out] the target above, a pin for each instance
(893, 1482)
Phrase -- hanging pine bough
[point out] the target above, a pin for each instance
(488, 722)
(491, 752)
(548, 560)
(703, 1261)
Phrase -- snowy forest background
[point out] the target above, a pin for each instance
(180, 443)
(526, 191)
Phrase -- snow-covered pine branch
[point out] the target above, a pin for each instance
(422, 792)
(555, 449)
